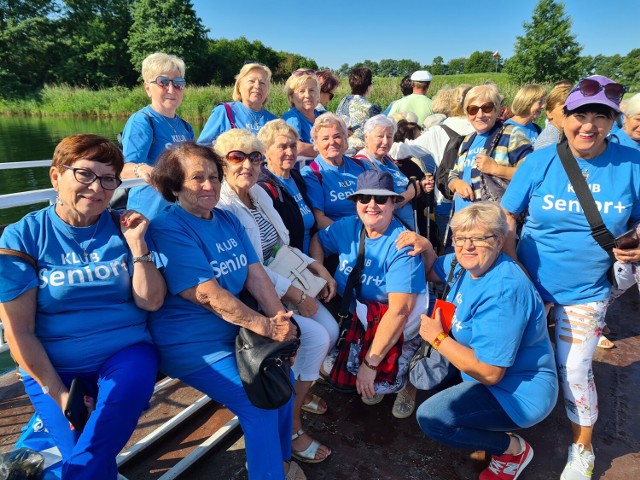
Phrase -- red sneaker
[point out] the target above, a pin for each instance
(508, 467)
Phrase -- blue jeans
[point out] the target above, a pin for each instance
(124, 385)
(267, 433)
(467, 416)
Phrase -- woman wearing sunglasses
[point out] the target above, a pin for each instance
(567, 266)
(250, 95)
(208, 260)
(477, 176)
(80, 310)
(329, 83)
(303, 92)
(149, 131)
(390, 277)
(243, 154)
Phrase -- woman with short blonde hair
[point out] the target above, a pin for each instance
(526, 107)
(303, 91)
(250, 95)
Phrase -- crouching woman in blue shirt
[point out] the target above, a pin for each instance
(79, 310)
(501, 347)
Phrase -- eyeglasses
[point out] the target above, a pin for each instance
(87, 177)
(250, 62)
(590, 87)
(164, 82)
(485, 107)
(479, 241)
(236, 156)
(303, 71)
(379, 199)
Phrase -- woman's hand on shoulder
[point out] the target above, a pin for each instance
(412, 239)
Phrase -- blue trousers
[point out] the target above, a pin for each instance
(466, 416)
(267, 433)
(123, 385)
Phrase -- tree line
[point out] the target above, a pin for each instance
(101, 43)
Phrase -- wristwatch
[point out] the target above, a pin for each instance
(303, 297)
(147, 257)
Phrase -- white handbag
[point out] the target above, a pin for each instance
(290, 263)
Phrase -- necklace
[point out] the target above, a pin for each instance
(84, 249)
(256, 117)
(166, 120)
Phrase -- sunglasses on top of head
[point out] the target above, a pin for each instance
(379, 199)
(236, 157)
(590, 87)
(303, 71)
(485, 107)
(178, 83)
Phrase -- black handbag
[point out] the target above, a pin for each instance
(264, 366)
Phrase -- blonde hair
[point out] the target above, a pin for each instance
(525, 98)
(633, 106)
(487, 215)
(158, 63)
(457, 100)
(327, 120)
(294, 82)
(442, 101)
(484, 92)
(237, 139)
(268, 133)
(244, 71)
(557, 96)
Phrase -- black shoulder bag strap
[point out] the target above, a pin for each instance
(353, 281)
(599, 231)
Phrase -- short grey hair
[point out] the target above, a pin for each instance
(158, 63)
(327, 120)
(379, 121)
(487, 215)
(488, 93)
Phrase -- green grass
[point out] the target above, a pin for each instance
(63, 100)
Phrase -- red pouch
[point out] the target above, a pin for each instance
(447, 310)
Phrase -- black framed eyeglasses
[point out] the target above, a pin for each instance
(379, 199)
(178, 83)
(236, 156)
(87, 177)
(590, 87)
(478, 240)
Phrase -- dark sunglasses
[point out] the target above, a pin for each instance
(331, 95)
(87, 177)
(236, 156)
(302, 72)
(379, 199)
(485, 107)
(164, 82)
(590, 87)
(247, 62)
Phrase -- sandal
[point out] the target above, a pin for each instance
(308, 455)
(605, 343)
(295, 472)
(314, 406)
(403, 406)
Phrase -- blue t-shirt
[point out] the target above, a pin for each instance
(470, 169)
(330, 195)
(556, 247)
(305, 211)
(243, 117)
(297, 120)
(625, 140)
(501, 317)
(143, 144)
(194, 250)
(529, 129)
(85, 310)
(386, 269)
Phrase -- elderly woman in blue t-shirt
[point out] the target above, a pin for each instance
(208, 261)
(390, 278)
(498, 341)
(303, 92)
(79, 311)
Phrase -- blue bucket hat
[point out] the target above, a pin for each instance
(375, 182)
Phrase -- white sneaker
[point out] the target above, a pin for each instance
(579, 463)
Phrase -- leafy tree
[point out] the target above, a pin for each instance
(169, 26)
(480, 62)
(94, 53)
(388, 68)
(28, 44)
(343, 71)
(456, 66)
(407, 67)
(631, 69)
(438, 66)
(548, 51)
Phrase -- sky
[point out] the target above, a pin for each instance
(333, 32)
